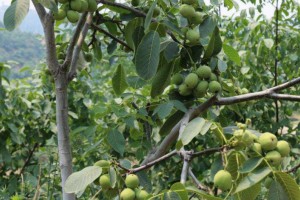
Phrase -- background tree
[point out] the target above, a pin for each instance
(171, 42)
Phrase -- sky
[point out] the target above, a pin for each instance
(268, 10)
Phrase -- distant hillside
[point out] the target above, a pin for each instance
(30, 24)
(23, 48)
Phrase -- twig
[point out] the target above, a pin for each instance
(29, 157)
(136, 12)
(208, 151)
(196, 181)
(276, 60)
(293, 169)
(111, 36)
(74, 39)
(72, 72)
(150, 164)
(48, 28)
(186, 155)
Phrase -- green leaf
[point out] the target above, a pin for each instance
(192, 129)
(269, 43)
(149, 15)
(172, 27)
(251, 164)
(214, 46)
(228, 4)
(170, 123)
(276, 192)
(119, 80)
(207, 26)
(112, 176)
(218, 131)
(137, 36)
(192, 189)
(15, 14)
(163, 110)
(171, 195)
(171, 51)
(179, 105)
(162, 78)
(116, 141)
(289, 185)
(250, 193)
(147, 55)
(252, 178)
(78, 181)
(129, 29)
(179, 188)
(145, 182)
(222, 65)
(50, 4)
(232, 54)
(235, 160)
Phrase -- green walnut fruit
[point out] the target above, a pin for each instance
(92, 5)
(104, 164)
(247, 138)
(204, 72)
(223, 180)
(184, 90)
(104, 181)
(75, 5)
(190, 2)
(177, 79)
(127, 194)
(202, 87)
(60, 14)
(213, 77)
(84, 6)
(135, 2)
(273, 157)
(156, 12)
(141, 194)
(193, 36)
(256, 147)
(268, 141)
(132, 181)
(283, 148)
(72, 16)
(197, 18)
(88, 57)
(214, 87)
(187, 11)
(191, 80)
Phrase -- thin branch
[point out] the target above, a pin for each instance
(294, 169)
(196, 181)
(74, 39)
(111, 36)
(29, 157)
(268, 93)
(150, 164)
(276, 59)
(208, 151)
(172, 136)
(72, 72)
(186, 155)
(137, 12)
(286, 97)
(48, 27)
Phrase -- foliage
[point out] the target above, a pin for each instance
(123, 107)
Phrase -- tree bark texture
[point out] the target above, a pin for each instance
(64, 146)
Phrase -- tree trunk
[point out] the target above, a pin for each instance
(64, 146)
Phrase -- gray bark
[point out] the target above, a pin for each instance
(64, 146)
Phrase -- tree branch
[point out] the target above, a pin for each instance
(150, 164)
(48, 27)
(136, 12)
(172, 136)
(268, 93)
(72, 72)
(293, 169)
(111, 36)
(29, 157)
(196, 181)
(73, 41)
